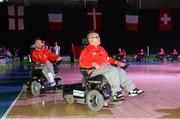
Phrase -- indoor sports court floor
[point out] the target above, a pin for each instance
(161, 83)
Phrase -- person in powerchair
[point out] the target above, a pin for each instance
(160, 57)
(140, 57)
(43, 70)
(121, 56)
(96, 56)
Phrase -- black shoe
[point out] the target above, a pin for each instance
(118, 96)
(52, 83)
(135, 92)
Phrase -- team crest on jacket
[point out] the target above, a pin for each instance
(93, 53)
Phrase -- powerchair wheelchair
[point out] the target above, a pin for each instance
(161, 58)
(140, 58)
(121, 58)
(95, 92)
(38, 83)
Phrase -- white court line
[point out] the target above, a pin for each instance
(178, 75)
(151, 76)
(11, 106)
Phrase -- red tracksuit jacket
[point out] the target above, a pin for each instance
(43, 55)
(91, 55)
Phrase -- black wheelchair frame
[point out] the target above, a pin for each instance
(38, 84)
(93, 91)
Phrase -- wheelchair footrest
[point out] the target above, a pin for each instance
(80, 100)
(68, 89)
(94, 81)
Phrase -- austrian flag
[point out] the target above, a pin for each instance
(165, 20)
(55, 17)
(132, 19)
(16, 20)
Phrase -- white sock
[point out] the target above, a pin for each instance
(51, 77)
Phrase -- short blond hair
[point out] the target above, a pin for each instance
(91, 33)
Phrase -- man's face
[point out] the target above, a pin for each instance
(94, 39)
(38, 44)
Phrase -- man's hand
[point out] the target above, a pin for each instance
(121, 64)
(59, 58)
(97, 66)
(48, 62)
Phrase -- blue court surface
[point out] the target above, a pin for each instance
(11, 83)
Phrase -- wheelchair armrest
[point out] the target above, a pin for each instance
(84, 71)
(37, 66)
(125, 66)
(57, 62)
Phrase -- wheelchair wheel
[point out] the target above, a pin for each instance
(94, 100)
(69, 99)
(35, 88)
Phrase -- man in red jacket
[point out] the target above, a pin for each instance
(96, 56)
(44, 57)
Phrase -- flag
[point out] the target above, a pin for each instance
(55, 18)
(165, 20)
(16, 20)
(77, 51)
(94, 19)
(132, 21)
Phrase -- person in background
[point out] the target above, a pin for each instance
(56, 49)
(140, 56)
(121, 55)
(72, 53)
(161, 55)
(162, 52)
(174, 55)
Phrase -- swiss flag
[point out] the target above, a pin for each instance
(94, 19)
(165, 20)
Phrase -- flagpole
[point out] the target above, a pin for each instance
(24, 2)
(148, 52)
(140, 4)
(85, 3)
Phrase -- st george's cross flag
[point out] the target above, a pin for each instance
(16, 20)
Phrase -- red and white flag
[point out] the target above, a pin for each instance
(94, 19)
(165, 20)
(16, 20)
(55, 18)
(132, 21)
